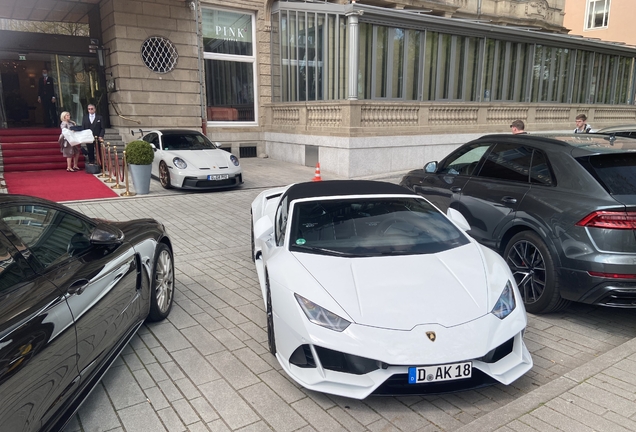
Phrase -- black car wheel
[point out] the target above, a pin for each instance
(534, 271)
(162, 289)
(271, 338)
(164, 175)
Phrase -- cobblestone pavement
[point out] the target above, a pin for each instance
(207, 367)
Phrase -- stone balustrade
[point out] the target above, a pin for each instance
(378, 118)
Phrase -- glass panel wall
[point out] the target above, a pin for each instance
(418, 64)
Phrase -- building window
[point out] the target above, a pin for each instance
(597, 14)
(229, 53)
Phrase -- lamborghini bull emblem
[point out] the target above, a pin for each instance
(431, 336)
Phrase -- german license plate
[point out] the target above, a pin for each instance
(447, 372)
(218, 177)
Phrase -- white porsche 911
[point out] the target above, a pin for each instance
(369, 288)
(187, 159)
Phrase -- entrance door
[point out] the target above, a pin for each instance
(76, 85)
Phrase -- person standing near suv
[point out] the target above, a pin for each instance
(581, 125)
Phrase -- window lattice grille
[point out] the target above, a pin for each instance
(159, 54)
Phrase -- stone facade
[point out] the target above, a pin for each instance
(619, 28)
(351, 138)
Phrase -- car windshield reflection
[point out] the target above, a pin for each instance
(186, 142)
(372, 227)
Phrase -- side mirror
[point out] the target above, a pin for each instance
(154, 148)
(458, 218)
(263, 227)
(430, 167)
(105, 234)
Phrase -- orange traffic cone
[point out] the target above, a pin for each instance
(317, 174)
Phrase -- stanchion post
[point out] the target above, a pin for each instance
(125, 167)
(103, 151)
(117, 185)
(110, 168)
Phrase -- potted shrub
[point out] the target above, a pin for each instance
(139, 157)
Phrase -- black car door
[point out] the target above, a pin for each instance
(444, 187)
(38, 345)
(490, 198)
(100, 281)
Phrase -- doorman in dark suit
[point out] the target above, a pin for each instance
(94, 122)
(46, 96)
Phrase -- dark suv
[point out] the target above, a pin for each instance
(560, 208)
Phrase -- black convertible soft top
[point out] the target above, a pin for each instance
(344, 187)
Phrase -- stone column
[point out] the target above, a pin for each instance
(352, 30)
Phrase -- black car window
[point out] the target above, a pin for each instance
(615, 172)
(51, 235)
(540, 171)
(13, 267)
(463, 161)
(507, 162)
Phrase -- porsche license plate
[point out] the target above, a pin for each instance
(447, 372)
(218, 177)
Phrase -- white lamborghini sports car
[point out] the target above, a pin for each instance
(187, 159)
(370, 289)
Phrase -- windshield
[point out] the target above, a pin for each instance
(186, 142)
(366, 226)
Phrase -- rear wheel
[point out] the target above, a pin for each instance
(271, 337)
(534, 271)
(164, 175)
(162, 288)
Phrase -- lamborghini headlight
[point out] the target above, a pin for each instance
(179, 163)
(321, 316)
(234, 160)
(506, 303)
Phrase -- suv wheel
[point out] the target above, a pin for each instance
(533, 269)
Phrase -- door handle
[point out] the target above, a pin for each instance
(509, 200)
(456, 189)
(78, 286)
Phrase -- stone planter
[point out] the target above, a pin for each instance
(140, 176)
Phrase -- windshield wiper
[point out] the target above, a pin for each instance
(325, 251)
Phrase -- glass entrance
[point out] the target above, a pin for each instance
(76, 86)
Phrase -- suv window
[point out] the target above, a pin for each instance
(464, 161)
(615, 172)
(507, 162)
(540, 172)
(51, 235)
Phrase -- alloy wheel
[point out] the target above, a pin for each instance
(164, 281)
(529, 270)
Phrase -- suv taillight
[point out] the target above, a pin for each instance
(609, 220)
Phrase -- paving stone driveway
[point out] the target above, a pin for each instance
(207, 367)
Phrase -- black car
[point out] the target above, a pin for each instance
(73, 291)
(561, 209)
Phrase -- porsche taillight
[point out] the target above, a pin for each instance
(609, 220)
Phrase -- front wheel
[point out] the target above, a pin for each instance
(534, 271)
(162, 288)
(164, 175)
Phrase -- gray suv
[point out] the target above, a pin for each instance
(560, 208)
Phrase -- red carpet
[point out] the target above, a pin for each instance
(58, 185)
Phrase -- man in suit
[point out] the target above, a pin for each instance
(46, 96)
(95, 123)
